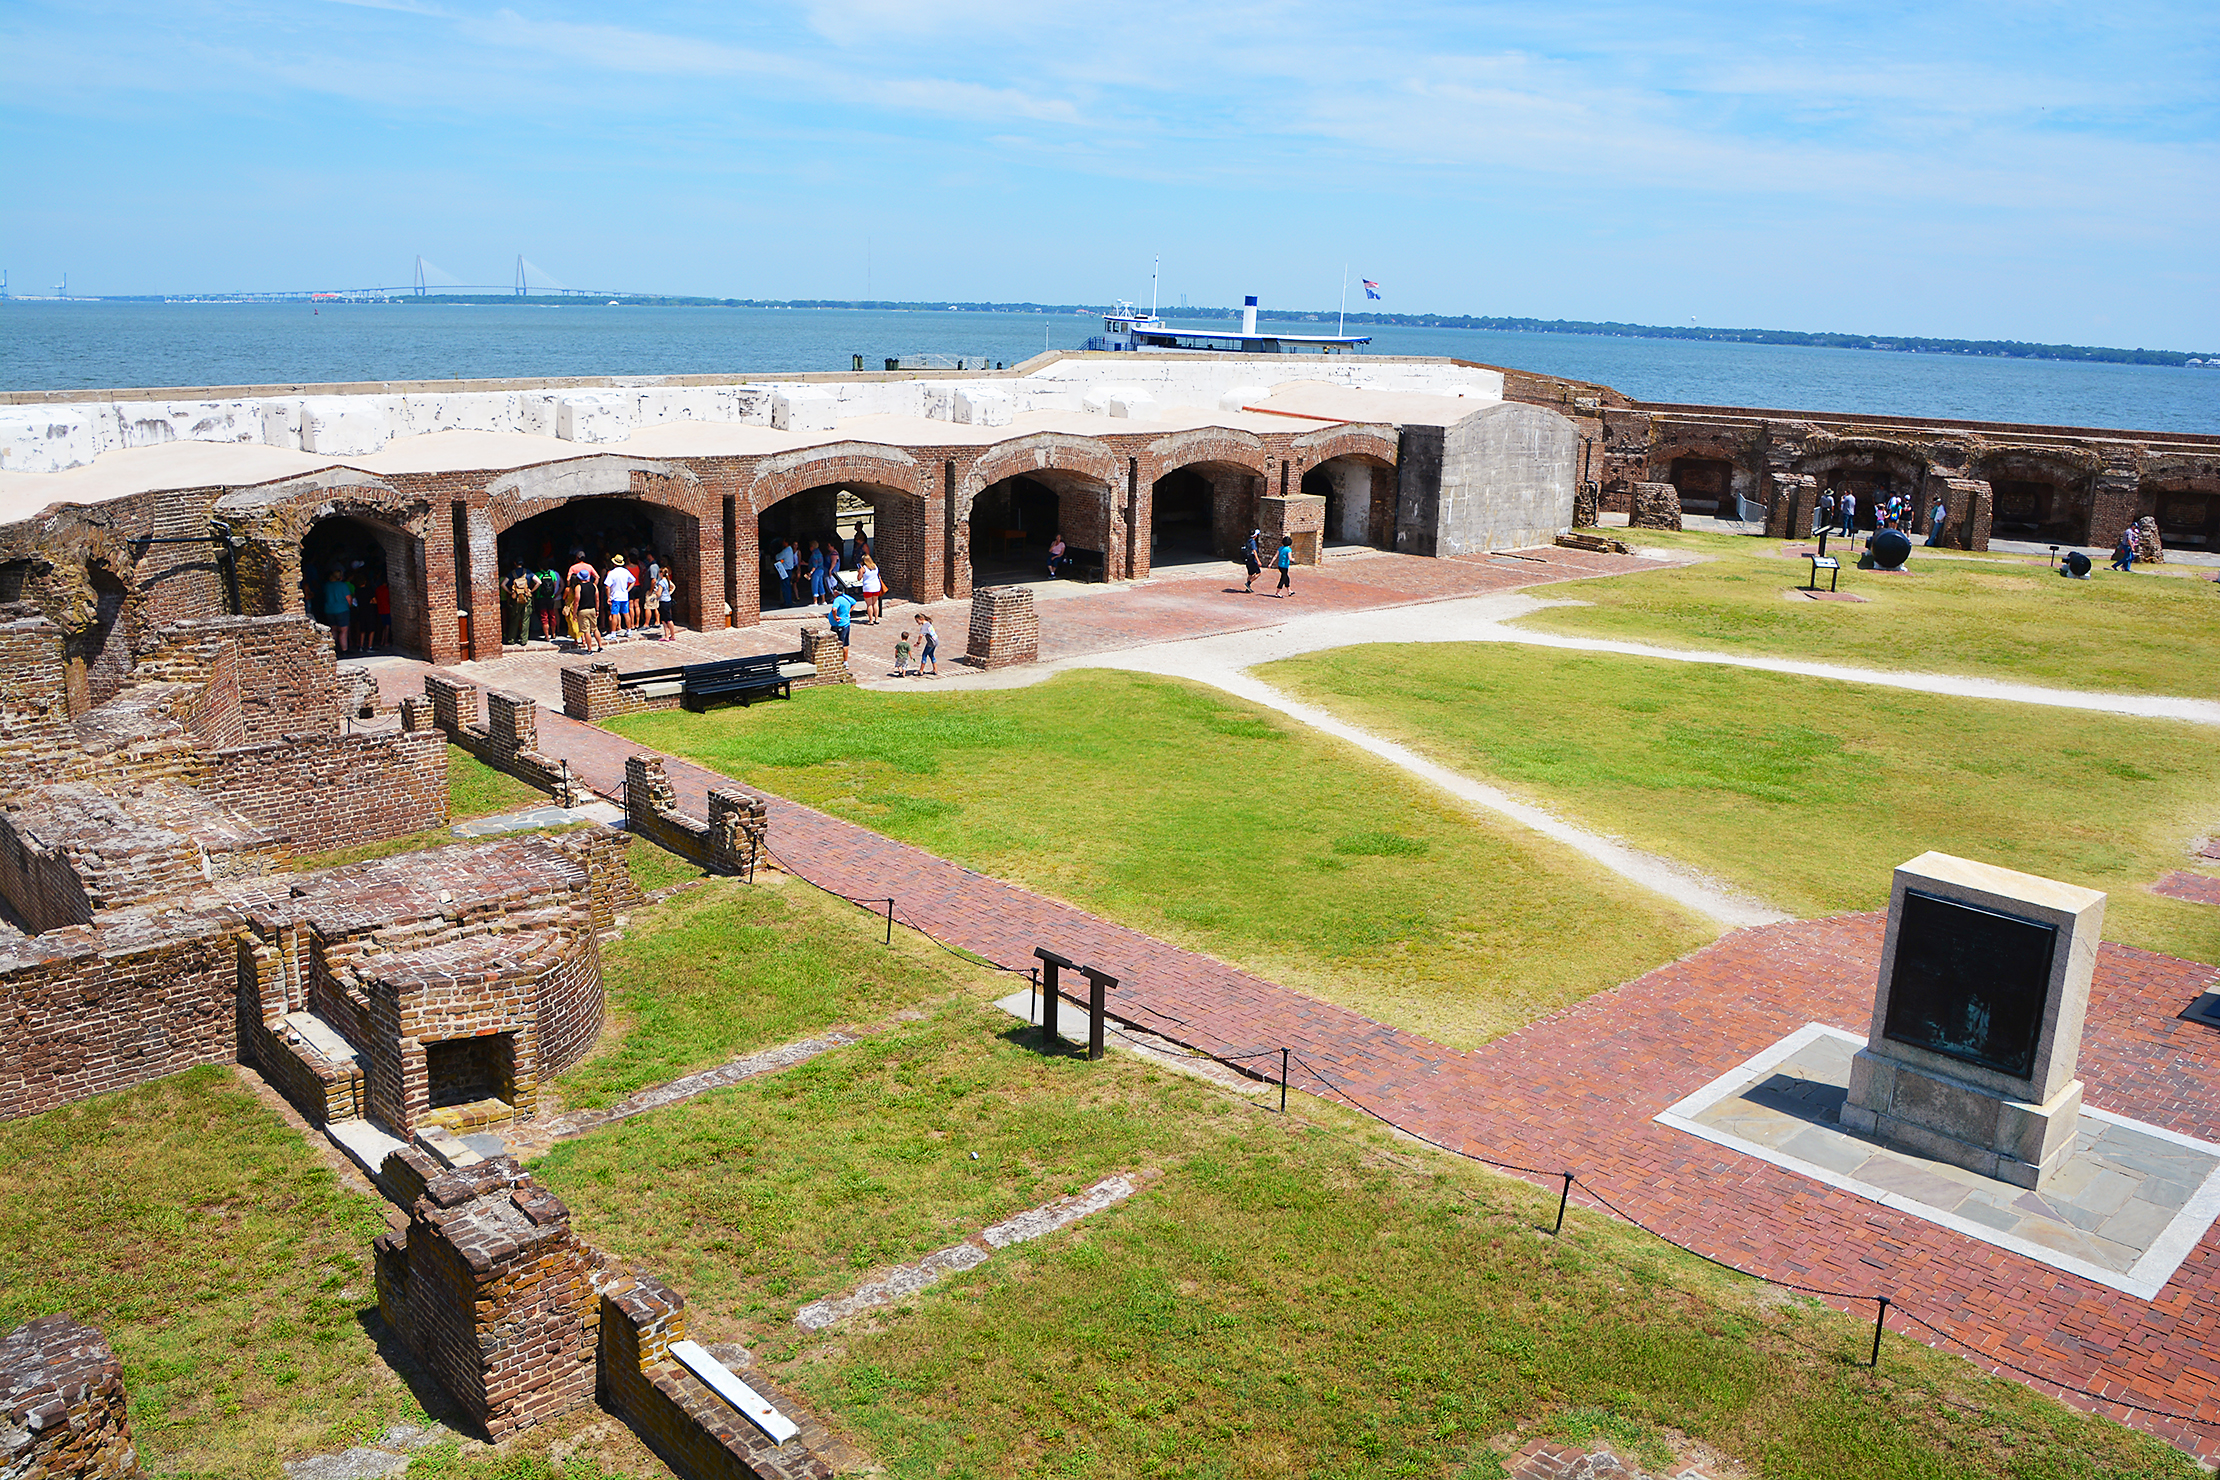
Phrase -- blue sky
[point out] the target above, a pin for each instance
(2029, 171)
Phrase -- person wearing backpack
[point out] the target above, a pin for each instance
(582, 602)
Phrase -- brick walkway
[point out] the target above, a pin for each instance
(1576, 1091)
(2197, 888)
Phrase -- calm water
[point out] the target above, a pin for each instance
(50, 345)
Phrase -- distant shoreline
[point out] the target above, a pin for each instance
(1897, 344)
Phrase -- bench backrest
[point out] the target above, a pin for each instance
(763, 666)
(648, 675)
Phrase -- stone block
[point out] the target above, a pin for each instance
(1243, 395)
(1132, 405)
(46, 439)
(343, 426)
(804, 410)
(593, 419)
(983, 406)
(2148, 547)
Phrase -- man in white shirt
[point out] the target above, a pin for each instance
(618, 583)
(789, 560)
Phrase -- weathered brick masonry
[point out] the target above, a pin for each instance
(62, 1410)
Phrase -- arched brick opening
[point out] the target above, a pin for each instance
(368, 553)
(1872, 474)
(1353, 468)
(275, 521)
(2188, 515)
(604, 527)
(2039, 496)
(101, 649)
(1014, 500)
(1201, 510)
(893, 520)
(799, 493)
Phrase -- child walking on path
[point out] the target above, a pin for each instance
(928, 658)
(902, 656)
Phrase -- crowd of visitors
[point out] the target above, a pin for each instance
(808, 572)
(582, 602)
(355, 602)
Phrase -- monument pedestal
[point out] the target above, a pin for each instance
(1937, 1116)
(1977, 1024)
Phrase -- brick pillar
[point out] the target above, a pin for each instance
(1004, 630)
(1656, 506)
(62, 1408)
(1300, 516)
(822, 648)
(512, 721)
(454, 703)
(2116, 502)
(590, 690)
(496, 1295)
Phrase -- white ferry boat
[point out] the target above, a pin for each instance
(1127, 328)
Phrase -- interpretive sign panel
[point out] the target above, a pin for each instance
(1969, 983)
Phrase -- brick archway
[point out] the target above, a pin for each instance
(275, 520)
(1353, 467)
(1091, 488)
(907, 536)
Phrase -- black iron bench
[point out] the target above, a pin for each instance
(1083, 565)
(745, 679)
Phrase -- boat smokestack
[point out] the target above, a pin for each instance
(1248, 314)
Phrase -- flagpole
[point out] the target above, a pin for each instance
(1341, 319)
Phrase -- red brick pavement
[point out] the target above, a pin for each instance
(1576, 1091)
(2197, 888)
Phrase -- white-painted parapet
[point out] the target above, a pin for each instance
(804, 409)
(1243, 396)
(593, 418)
(344, 426)
(984, 406)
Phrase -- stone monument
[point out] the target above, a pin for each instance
(1977, 1023)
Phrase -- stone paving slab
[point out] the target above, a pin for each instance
(2126, 1208)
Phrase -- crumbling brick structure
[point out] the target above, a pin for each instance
(62, 1409)
(508, 740)
(1004, 629)
(522, 1321)
(731, 841)
(496, 1295)
(1653, 506)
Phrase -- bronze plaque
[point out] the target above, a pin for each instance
(1969, 983)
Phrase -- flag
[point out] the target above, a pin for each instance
(1371, 288)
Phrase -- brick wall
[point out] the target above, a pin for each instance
(592, 692)
(62, 1409)
(496, 1295)
(336, 791)
(731, 841)
(92, 1013)
(695, 1431)
(1004, 629)
(508, 742)
(601, 852)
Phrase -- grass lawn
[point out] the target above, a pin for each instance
(1996, 616)
(1291, 1295)
(1805, 792)
(226, 1265)
(728, 968)
(1215, 825)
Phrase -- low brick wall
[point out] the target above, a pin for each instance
(695, 1431)
(1004, 629)
(732, 841)
(336, 791)
(602, 852)
(594, 692)
(508, 741)
(88, 1013)
(62, 1409)
(321, 1090)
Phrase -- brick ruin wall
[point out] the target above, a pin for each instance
(84, 1013)
(1004, 628)
(62, 1408)
(508, 739)
(522, 1321)
(732, 840)
(331, 791)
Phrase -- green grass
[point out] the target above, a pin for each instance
(1292, 1295)
(475, 789)
(1998, 617)
(1805, 792)
(728, 968)
(1216, 825)
(224, 1262)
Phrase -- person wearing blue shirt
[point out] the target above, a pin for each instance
(1284, 560)
(842, 605)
